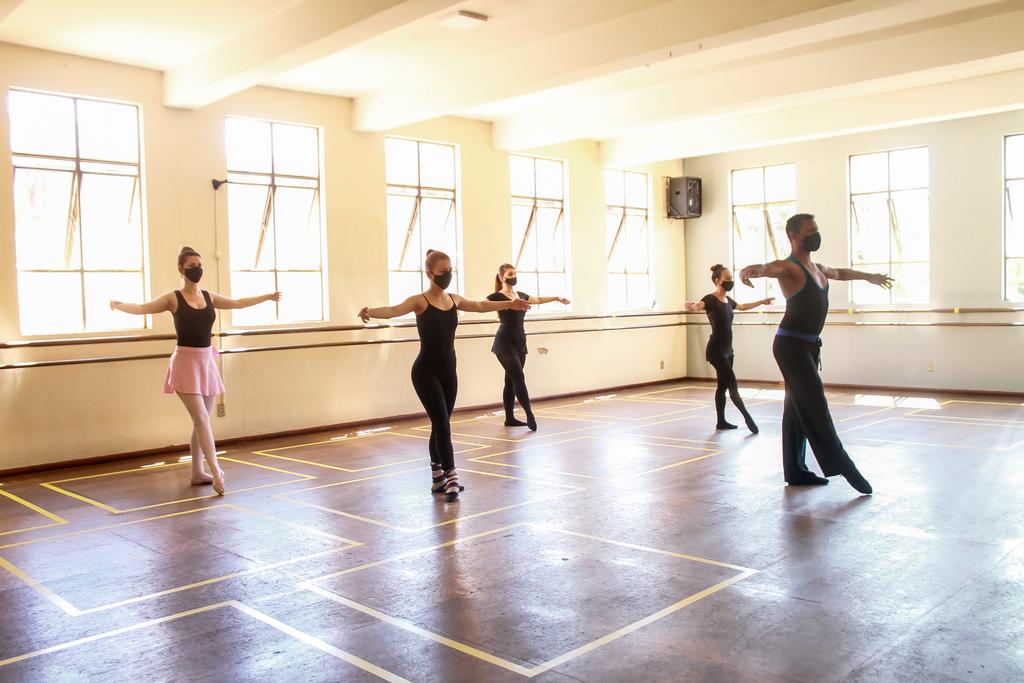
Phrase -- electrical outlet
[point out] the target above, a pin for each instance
(931, 366)
(221, 410)
(662, 365)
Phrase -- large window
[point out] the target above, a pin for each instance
(763, 199)
(627, 210)
(1013, 219)
(274, 220)
(77, 212)
(889, 224)
(421, 211)
(538, 226)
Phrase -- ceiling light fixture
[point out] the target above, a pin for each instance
(463, 20)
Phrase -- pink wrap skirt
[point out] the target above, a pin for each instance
(194, 371)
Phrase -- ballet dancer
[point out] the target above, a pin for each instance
(510, 344)
(719, 307)
(797, 350)
(193, 373)
(433, 372)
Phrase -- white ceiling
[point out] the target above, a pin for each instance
(651, 79)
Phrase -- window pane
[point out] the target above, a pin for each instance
(401, 164)
(549, 179)
(1015, 279)
(253, 284)
(50, 303)
(638, 291)
(246, 210)
(911, 238)
(614, 187)
(552, 284)
(870, 225)
(42, 124)
(296, 150)
(908, 169)
(400, 237)
(911, 286)
(617, 250)
(1015, 156)
(749, 242)
(636, 190)
(297, 226)
(302, 297)
(1015, 218)
(437, 221)
(100, 288)
(528, 283)
(617, 292)
(111, 223)
(403, 285)
(108, 131)
(248, 145)
(780, 183)
(437, 165)
(41, 201)
(869, 173)
(521, 176)
(863, 293)
(550, 240)
(778, 214)
(748, 186)
(524, 255)
(636, 240)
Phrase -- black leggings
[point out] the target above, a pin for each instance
(436, 387)
(726, 382)
(805, 416)
(515, 382)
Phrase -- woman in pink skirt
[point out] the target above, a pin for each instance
(193, 373)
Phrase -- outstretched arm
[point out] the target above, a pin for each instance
(158, 305)
(548, 299)
(387, 312)
(224, 302)
(694, 306)
(851, 274)
(489, 306)
(754, 304)
(775, 269)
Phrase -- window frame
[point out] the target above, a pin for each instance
(1007, 209)
(764, 286)
(625, 208)
(893, 229)
(233, 176)
(75, 213)
(536, 202)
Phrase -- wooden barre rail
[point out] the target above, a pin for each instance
(124, 339)
(408, 340)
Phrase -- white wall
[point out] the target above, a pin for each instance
(63, 413)
(966, 260)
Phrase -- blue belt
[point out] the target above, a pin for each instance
(813, 338)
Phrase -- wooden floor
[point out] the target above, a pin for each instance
(624, 541)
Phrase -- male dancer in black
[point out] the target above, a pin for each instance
(797, 350)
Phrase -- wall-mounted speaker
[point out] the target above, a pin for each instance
(684, 197)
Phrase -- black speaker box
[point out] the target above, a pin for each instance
(684, 197)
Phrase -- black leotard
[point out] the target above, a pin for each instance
(720, 316)
(194, 326)
(511, 335)
(806, 310)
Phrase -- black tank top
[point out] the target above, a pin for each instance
(511, 335)
(194, 326)
(720, 316)
(437, 334)
(806, 310)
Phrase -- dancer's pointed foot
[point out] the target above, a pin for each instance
(725, 425)
(219, 483)
(451, 485)
(512, 422)
(857, 481)
(531, 422)
(751, 425)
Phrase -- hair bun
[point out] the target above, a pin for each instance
(429, 252)
(184, 249)
(717, 266)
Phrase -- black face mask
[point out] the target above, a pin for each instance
(812, 242)
(727, 285)
(443, 280)
(511, 281)
(195, 274)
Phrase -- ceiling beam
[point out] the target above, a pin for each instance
(300, 34)
(8, 6)
(981, 41)
(939, 102)
(599, 43)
